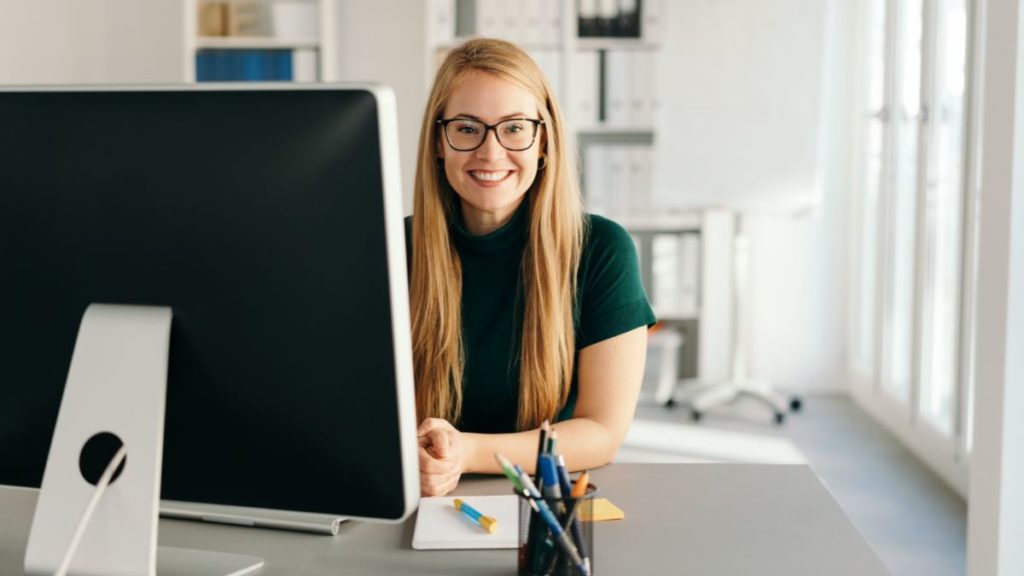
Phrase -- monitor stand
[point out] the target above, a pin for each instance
(114, 396)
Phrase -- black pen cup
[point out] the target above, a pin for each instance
(540, 551)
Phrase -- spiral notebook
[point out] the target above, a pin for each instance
(439, 526)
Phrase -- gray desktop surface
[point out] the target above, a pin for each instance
(706, 519)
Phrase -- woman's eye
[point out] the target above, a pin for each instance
(468, 129)
(514, 128)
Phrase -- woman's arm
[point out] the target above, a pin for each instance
(609, 377)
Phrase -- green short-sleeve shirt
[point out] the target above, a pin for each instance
(610, 301)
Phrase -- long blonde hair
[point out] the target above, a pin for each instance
(549, 264)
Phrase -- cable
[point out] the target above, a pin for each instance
(101, 487)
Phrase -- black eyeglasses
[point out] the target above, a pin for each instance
(514, 134)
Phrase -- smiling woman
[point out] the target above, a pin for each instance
(524, 308)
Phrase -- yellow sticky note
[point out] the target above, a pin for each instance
(602, 510)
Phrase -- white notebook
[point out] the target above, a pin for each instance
(439, 526)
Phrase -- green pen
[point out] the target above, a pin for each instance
(509, 470)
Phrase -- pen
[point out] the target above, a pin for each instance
(541, 508)
(486, 522)
(563, 478)
(538, 503)
(550, 487)
(533, 542)
(580, 488)
(509, 471)
(574, 497)
(541, 447)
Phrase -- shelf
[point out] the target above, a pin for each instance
(586, 44)
(606, 130)
(255, 42)
(668, 223)
(676, 315)
(528, 46)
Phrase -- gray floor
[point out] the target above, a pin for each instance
(915, 523)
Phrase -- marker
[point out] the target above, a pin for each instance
(509, 471)
(580, 488)
(486, 522)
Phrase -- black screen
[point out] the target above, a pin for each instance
(258, 217)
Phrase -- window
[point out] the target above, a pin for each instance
(909, 235)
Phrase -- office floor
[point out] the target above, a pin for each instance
(915, 523)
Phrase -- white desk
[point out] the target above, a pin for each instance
(700, 519)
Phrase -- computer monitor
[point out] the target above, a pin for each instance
(269, 220)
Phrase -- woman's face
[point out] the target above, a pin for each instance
(491, 181)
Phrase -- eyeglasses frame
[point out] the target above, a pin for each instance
(537, 123)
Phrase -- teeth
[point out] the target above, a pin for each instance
(490, 176)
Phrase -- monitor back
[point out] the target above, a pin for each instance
(269, 221)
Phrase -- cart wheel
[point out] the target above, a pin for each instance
(696, 415)
(780, 418)
(795, 404)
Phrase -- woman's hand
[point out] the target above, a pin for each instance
(443, 452)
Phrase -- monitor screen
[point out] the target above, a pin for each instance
(269, 221)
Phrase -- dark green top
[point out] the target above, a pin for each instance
(610, 301)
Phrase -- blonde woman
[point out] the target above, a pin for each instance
(524, 308)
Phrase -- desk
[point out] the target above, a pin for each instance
(700, 519)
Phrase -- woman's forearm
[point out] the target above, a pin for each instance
(584, 443)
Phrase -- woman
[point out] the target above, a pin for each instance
(524, 309)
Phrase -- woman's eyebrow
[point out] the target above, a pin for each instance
(479, 119)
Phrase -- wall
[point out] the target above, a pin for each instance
(798, 267)
(92, 41)
(384, 41)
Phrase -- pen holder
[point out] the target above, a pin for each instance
(540, 552)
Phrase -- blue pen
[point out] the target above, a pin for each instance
(550, 487)
(563, 477)
(537, 503)
(549, 476)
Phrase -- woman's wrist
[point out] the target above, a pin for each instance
(473, 452)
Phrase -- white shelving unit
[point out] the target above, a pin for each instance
(313, 56)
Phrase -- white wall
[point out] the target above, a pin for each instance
(384, 41)
(92, 41)
(798, 267)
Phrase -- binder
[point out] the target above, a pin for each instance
(304, 65)
(640, 167)
(550, 63)
(444, 21)
(653, 17)
(551, 21)
(642, 78)
(595, 178)
(489, 15)
(617, 178)
(583, 77)
(617, 88)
